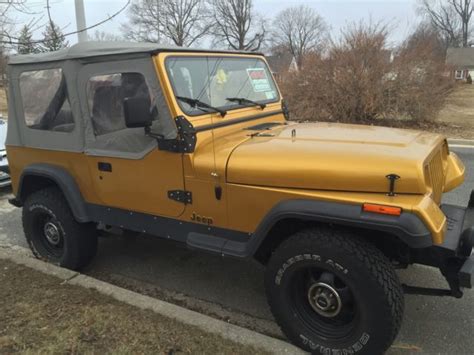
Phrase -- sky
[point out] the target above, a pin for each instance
(399, 14)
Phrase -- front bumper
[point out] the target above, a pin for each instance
(459, 241)
(453, 257)
(467, 271)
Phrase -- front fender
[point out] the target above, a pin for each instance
(407, 227)
(455, 172)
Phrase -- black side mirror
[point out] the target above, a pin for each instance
(137, 112)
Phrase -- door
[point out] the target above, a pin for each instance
(128, 170)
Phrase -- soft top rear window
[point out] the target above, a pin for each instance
(45, 100)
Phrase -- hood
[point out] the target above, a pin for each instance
(3, 134)
(327, 156)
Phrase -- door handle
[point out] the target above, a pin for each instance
(102, 166)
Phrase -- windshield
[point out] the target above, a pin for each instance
(215, 80)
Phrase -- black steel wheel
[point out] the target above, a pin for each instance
(49, 232)
(323, 302)
(52, 232)
(332, 292)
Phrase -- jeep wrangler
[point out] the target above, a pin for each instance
(196, 146)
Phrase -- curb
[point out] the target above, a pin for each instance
(228, 331)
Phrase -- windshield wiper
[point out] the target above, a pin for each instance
(195, 103)
(243, 100)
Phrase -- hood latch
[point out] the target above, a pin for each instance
(392, 178)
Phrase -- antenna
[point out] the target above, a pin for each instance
(214, 173)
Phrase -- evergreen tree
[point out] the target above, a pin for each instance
(25, 41)
(54, 39)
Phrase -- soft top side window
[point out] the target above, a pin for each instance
(45, 100)
(105, 96)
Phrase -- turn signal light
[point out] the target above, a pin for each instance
(381, 209)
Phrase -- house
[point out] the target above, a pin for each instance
(281, 64)
(461, 60)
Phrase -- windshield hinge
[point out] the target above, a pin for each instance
(286, 110)
(182, 196)
(185, 142)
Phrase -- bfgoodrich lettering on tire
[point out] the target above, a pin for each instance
(52, 232)
(334, 293)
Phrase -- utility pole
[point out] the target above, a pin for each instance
(81, 21)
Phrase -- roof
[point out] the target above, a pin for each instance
(98, 49)
(460, 57)
(280, 63)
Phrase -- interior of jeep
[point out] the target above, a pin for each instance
(108, 97)
(58, 116)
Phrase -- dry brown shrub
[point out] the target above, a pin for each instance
(360, 81)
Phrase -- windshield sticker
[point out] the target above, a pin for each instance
(270, 95)
(259, 80)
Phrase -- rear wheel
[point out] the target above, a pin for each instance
(332, 292)
(52, 232)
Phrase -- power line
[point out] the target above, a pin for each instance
(15, 40)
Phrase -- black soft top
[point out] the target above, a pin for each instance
(104, 49)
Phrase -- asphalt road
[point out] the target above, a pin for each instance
(233, 289)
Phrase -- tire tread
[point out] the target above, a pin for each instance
(372, 258)
(81, 236)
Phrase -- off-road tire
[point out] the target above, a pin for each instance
(77, 244)
(376, 294)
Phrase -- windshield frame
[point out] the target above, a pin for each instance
(231, 106)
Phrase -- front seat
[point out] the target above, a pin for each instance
(107, 110)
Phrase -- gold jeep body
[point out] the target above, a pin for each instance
(178, 158)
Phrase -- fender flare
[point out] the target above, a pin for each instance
(65, 182)
(407, 227)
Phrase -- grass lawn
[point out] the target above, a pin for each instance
(40, 315)
(458, 112)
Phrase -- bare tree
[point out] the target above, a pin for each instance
(6, 28)
(237, 25)
(7, 24)
(3, 64)
(359, 80)
(300, 29)
(183, 22)
(102, 36)
(12, 41)
(144, 24)
(451, 17)
(464, 9)
(426, 35)
(6, 6)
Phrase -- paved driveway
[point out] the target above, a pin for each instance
(233, 289)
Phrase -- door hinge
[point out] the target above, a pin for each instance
(182, 196)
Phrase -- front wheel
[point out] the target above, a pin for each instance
(333, 293)
(52, 232)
